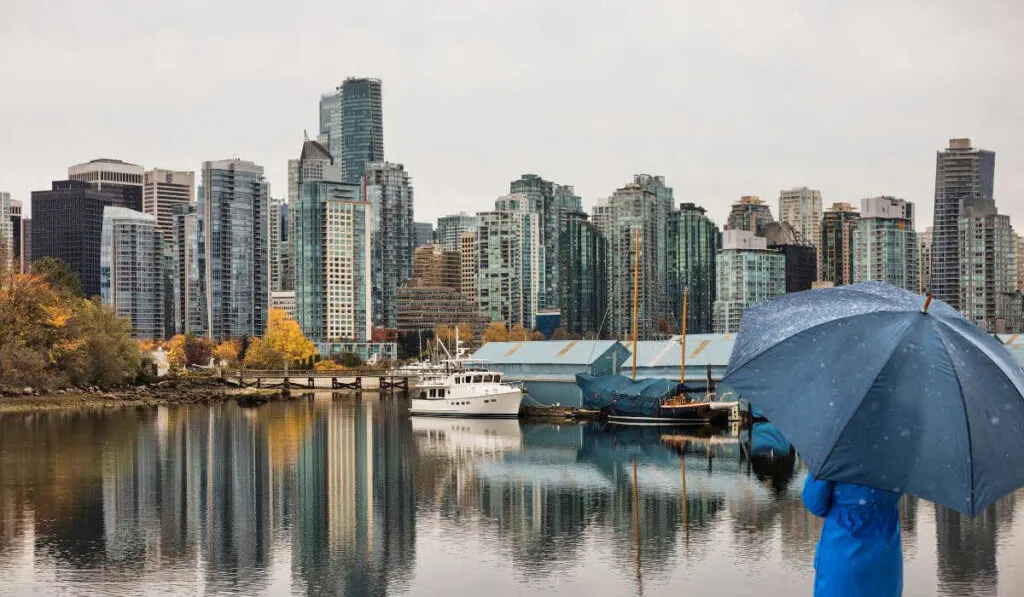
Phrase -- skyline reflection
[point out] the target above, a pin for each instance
(339, 495)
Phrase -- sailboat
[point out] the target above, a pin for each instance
(657, 401)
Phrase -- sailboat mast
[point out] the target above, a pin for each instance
(636, 292)
(682, 338)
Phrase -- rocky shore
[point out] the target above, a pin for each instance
(168, 391)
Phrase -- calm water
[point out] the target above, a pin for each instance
(353, 497)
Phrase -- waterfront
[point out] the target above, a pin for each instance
(351, 496)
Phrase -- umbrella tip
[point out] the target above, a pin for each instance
(927, 301)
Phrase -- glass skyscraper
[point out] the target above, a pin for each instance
(352, 122)
(393, 236)
(749, 213)
(885, 244)
(961, 173)
(988, 266)
(837, 227)
(190, 313)
(332, 251)
(450, 229)
(235, 207)
(583, 288)
(693, 243)
(747, 273)
(510, 262)
(131, 269)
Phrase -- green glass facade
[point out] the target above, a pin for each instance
(583, 287)
(510, 262)
(745, 277)
(885, 250)
(693, 242)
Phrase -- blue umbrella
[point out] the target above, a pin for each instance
(875, 386)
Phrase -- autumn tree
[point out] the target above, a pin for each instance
(466, 333)
(261, 355)
(198, 350)
(284, 335)
(228, 351)
(176, 351)
(107, 354)
(519, 332)
(536, 335)
(58, 275)
(560, 334)
(495, 332)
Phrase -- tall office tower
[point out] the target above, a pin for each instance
(800, 207)
(749, 213)
(162, 192)
(68, 223)
(132, 269)
(747, 273)
(634, 208)
(17, 250)
(234, 208)
(393, 237)
(961, 172)
(801, 257)
(424, 233)
(693, 243)
(190, 312)
(510, 262)
(288, 277)
(352, 122)
(885, 244)
(924, 261)
(552, 202)
(988, 264)
(333, 300)
(468, 266)
(112, 175)
(836, 259)
(450, 229)
(583, 288)
(281, 275)
(26, 244)
(6, 228)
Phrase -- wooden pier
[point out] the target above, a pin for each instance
(354, 380)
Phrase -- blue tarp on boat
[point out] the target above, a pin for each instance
(641, 395)
(766, 438)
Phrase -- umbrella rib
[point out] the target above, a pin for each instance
(878, 374)
(953, 328)
(803, 331)
(967, 418)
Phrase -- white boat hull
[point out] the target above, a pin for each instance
(498, 405)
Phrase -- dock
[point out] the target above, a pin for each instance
(356, 380)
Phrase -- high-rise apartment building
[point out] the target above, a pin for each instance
(510, 262)
(282, 278)
(636, 207)
(885, 244)
(924, 261)
(467, 261)
(837, 227)
(552, 202)
(333, 299)
(450, 229)
(988, 264)
(749, 213)
(424, 233)
(234, 207)
(747, 273)
(17, 250)
(800, 207)
(162, 192)
(1018, 249)
(68, 224)
(437, 268)
(693, 243)
(390, 195)
(583, 288)
(352, 121)
(961, 172)
(800, 255)
(421, 306)
(132, 269)
(190, 312)
(6, 228)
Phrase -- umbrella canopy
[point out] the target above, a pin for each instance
(872, 390)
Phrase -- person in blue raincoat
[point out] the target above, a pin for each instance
(859, 553)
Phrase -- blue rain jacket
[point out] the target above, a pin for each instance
(859, 553)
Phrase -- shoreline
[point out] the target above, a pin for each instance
(163, 393)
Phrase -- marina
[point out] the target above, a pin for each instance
(330, 494)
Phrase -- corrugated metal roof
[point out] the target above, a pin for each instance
(701, 349)
(556, 352)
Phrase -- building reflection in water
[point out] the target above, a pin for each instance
(327, 489)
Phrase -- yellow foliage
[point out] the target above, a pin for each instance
(261, 355)
(329, 365)
(496, 332)
(176, 352)
(284, 335)
(227, 351)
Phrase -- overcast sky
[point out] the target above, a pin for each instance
(722, 98)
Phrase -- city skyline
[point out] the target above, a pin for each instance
(892, 116)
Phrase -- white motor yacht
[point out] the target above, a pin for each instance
(463, 390)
